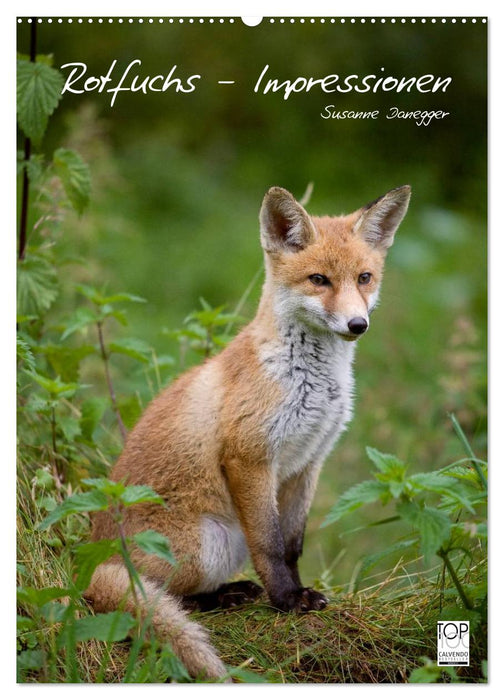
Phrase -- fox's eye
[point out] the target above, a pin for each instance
(365, 278)
(319, 280)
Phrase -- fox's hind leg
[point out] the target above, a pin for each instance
(223, 552)
(229, 595)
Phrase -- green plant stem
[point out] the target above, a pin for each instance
(27, 155)
(24, 201)
(42, 644)
(241, 303)
(56, 459)
(113, 399)
(72, 673)
(124, 553)
(127, 561)
(468, 449)
(443, 585)
(307, 194)
(446, 560)
(53, 431)
(208, 343)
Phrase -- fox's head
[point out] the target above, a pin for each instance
(326, 271)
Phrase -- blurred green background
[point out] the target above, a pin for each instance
(178, 181)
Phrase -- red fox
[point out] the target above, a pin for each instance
(235, 445)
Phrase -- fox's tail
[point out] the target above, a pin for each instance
(109, 589)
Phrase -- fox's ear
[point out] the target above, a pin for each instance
(285, 225)
(379, 220)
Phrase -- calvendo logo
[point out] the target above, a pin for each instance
(453, 643)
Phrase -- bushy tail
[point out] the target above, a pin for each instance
(109, 589)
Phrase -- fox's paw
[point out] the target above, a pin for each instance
(238, 593)
(229, 595)
(302, 600)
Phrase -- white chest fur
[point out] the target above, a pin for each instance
(314, 371)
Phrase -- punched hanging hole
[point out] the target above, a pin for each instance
(251, 21)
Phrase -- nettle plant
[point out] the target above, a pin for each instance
(205, 331)
(62, 431)
(47, 372)
(58, 417)
(445, 514)
(56, 619)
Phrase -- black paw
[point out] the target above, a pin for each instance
(229, 595)
(237, 593)
(301, 600)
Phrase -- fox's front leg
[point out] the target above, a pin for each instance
(253, 489)
(294, 500)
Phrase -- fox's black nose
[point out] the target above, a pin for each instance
(357, 325)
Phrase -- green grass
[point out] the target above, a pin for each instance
(378, 635)
(362, 638)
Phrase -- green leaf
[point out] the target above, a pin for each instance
(82, 318)
(30, 659)
(132, 347)
(66, 361)
(171, 666)
(245, 675)
(191, 333)
(54, 612)
(70, 428)
(24, 353)
(88, 556)
(55, 387)
(23, 624)
(153, 542)
(127, 495)
(389, 465)
(355, 497)
(22, 318)
(140, 494)
(40, 596)
(212, 318)
(100, 299)
(38, 92)
(433, 525)
(130, 409)
(34, 166)
(123, 296)
(44, 479)
(75, 177)
(90, 293)
(428, 673)
(114, 489)
(47, 503)
(454, 612)
(39, 404)
(37, 286)
(396, 488)
(119, 315)
(465, 473)
(79, 503)
(92, 411)
(106, 627)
